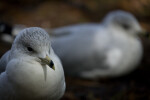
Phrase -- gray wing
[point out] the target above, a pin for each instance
(6, 90)
(78, 51)
(73, 29)
(3, 61)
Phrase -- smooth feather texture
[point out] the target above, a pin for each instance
(111, 48)
(23, 77)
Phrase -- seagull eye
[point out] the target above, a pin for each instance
(29, 49)
(125, 26)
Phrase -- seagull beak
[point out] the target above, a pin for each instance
(145, 33)
(48, 61)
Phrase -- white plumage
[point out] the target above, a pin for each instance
(90, 50)
(31, 70)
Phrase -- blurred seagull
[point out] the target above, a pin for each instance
(109, 49)
(8, 32)
(31, 70)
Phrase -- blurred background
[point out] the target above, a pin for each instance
(57, 13)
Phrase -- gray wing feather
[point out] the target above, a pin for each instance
(3, 61)
(78, 49)
(68, 30)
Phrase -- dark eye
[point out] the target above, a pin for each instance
(29, 49)
(125, 26)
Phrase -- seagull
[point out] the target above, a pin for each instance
(8, 32)
(111, 48)
(30, 70)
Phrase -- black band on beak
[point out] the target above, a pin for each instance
(52, 65)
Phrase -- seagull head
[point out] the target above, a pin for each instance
(33, 42)
(123, 21)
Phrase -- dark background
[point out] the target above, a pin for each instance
(56, 13)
